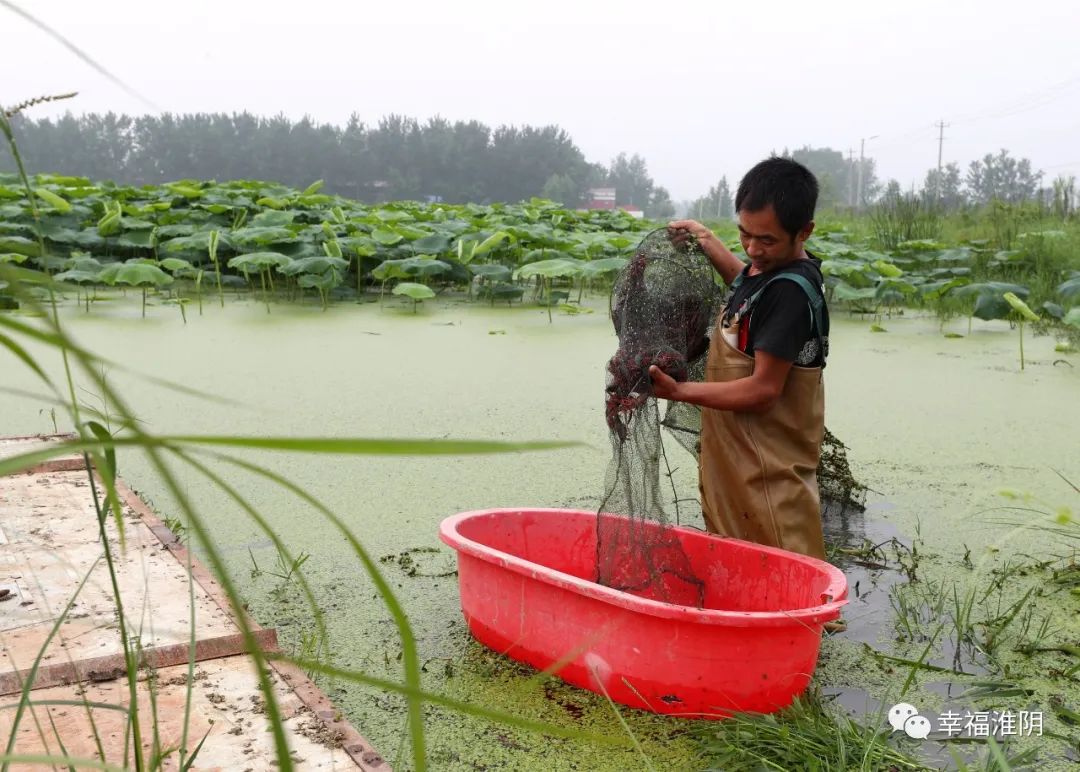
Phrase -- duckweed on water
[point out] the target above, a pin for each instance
(931, 456)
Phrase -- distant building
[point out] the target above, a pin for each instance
(604, 198)
(600, 198)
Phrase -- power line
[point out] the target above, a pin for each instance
(1030, 101)
(1021, 104)
(1059, 166)
(912, 137)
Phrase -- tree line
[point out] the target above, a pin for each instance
(993, 177)
(397, 158)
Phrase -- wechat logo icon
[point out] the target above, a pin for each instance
(904, 717)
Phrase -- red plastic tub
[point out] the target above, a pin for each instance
(526, 578)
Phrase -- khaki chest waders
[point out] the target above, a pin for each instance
(758, 471)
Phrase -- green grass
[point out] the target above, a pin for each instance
(806, 736)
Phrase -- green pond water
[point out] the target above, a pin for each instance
(934, 426)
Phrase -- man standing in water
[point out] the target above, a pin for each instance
(763, 399)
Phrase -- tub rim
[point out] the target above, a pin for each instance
(833, 598)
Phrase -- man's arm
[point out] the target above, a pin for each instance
(722, 259)
(754, 394)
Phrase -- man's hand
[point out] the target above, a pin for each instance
(725, 263)
(755, 393)
(680, 231)
(663, 385)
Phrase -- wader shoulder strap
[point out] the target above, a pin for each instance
(813, 296)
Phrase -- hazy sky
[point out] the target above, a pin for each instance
(699, 89)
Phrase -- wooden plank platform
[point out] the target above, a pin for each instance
(50, 544)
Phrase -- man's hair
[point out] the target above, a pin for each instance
(789, 186)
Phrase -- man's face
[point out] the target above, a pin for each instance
(766, 242)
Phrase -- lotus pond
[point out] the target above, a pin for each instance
(279, 241)
(935, 425)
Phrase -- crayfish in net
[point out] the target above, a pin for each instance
(629, 383)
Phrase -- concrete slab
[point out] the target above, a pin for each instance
(50, 544)
(14, 446)
(226, 707)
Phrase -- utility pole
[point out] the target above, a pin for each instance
(941, 141)
(862, 163)
(851, 178)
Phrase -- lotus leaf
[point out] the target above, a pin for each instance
(185, 190)
(386, 237)
(989, 307)
(359, 245)
(435, 243)
(491, 271)
(391, 215)
(274, 218)
(414, 291)
(936, 289)
(595, 268)
(176, 265)
(490, 243)
(993, 288)
(260, 260)
(19, 245)
(317, 264)
(141, 274)
(1070, 288)
(138, 239)
(78, 276)
(58, 203)
(920, 245)
(409, 266)
(63, 181)
(559, 267)
(1053, 310)
(263, 235)
(1020, 307)
(83, 263)
(958, 254)
(845, 291)
(196, 242)
(887, 269)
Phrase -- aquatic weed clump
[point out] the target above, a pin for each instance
(803, 736)
(835, 479)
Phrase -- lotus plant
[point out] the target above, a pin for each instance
(416, 292)
(1022, 313)
(139, 275)
(262, 262)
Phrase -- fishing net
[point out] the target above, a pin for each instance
(663, 305)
